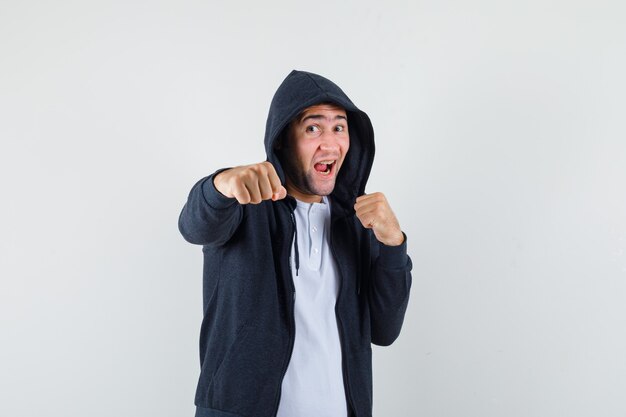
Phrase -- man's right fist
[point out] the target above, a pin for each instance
(250, 183)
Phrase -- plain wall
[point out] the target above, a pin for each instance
(501, 145)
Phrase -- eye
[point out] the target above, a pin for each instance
(340, 128)
(313, 129)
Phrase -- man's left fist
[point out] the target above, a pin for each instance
(374, 213)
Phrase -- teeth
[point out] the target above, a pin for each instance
(326, 162)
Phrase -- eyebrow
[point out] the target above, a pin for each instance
(319, 116)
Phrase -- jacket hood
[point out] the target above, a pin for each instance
(304, 89)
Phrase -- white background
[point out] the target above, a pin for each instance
(501, 146)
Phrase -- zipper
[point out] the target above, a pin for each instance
(295, 244)
(346, 379)
(292, 322)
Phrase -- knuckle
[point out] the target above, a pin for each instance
(254, 170)
(245, 175)
(267, 167)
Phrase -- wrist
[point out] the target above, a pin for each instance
(218, 183)
(396, 240)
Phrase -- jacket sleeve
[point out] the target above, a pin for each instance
(390, 284)
(209, 217)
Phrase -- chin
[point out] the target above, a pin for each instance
(323, 190)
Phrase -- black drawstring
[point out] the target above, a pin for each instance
(295, 242)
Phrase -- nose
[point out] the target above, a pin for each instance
(328, 142)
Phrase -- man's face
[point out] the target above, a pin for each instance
(317, 145)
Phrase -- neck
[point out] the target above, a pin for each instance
(299, 195)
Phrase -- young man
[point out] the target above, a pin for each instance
(302, 270)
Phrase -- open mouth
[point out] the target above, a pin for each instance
(325, 167)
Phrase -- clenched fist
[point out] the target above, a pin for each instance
(374, 212)
(250, 183)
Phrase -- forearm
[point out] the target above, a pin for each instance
(389, 292)
(209, 217)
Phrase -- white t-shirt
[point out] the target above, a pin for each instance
(313, 385)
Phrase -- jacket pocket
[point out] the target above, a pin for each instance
(239, 337)
(246, 380)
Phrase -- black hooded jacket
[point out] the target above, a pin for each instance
(248, 328)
